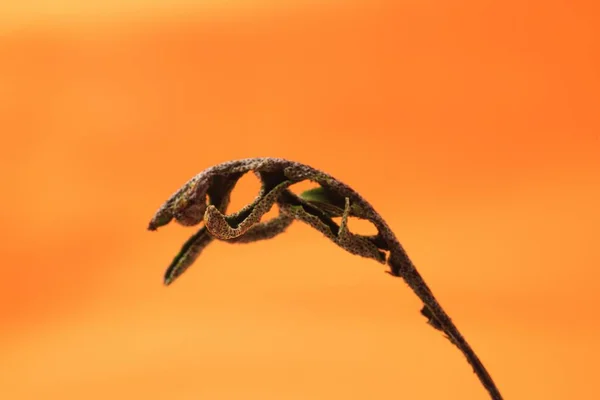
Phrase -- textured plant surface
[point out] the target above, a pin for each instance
(206, 197)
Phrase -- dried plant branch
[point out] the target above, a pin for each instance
(206, 196)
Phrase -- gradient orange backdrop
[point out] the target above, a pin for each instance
(471, 126)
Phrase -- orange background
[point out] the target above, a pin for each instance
(471, 126)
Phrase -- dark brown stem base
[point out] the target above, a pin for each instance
(441, 321)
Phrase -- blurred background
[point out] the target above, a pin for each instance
(471, 126)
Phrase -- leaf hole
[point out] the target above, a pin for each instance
(300, 187)
(359, 226)
(245, 192)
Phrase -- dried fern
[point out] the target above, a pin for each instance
(206, 196)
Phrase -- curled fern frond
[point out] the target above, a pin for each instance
(206, 196)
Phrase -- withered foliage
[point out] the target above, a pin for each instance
(206, 196)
